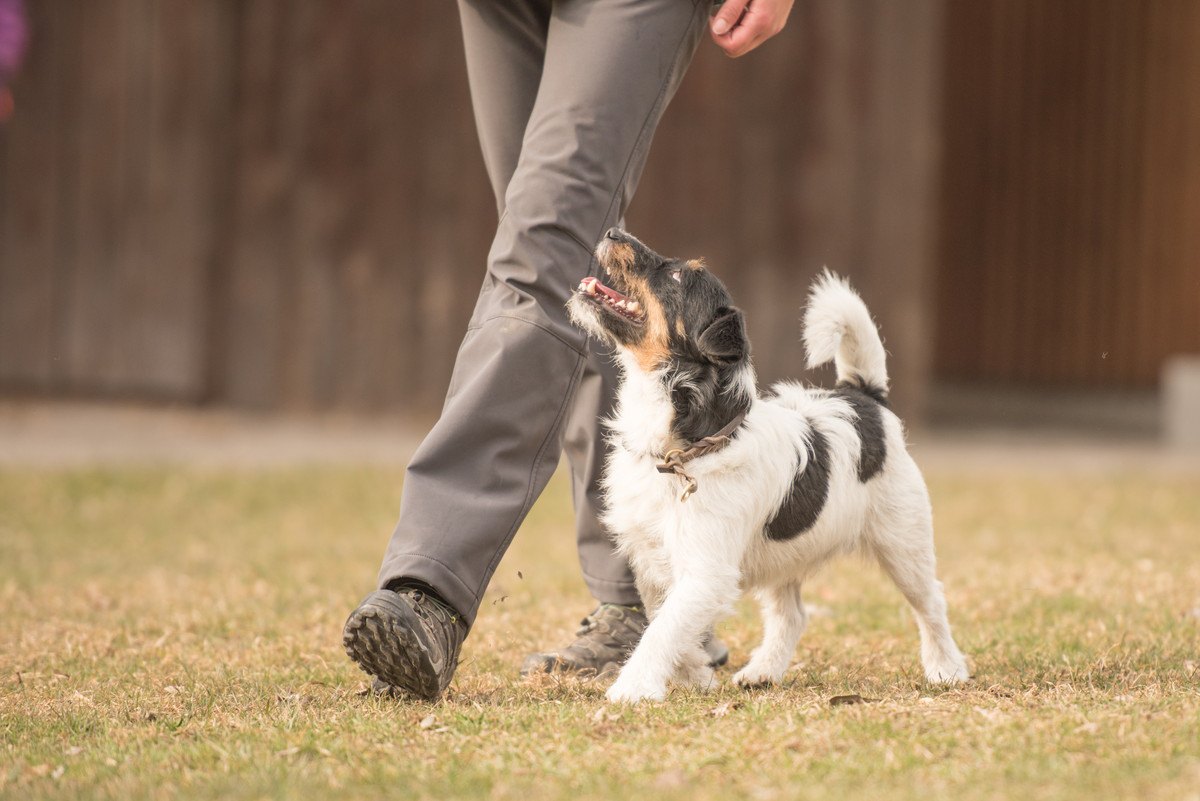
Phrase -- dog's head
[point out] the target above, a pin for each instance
(673, 318)
(661, 311)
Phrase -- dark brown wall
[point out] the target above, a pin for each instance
(361, 213)
(280, 204)
(1071, 219)
(112, 182)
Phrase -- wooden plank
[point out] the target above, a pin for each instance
(30, 197)
(455, 218)
(900, 178)
(256, 308)
(1172, 170)
(97, 200)
(965, 50)
(185, 172)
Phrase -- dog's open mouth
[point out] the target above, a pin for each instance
(611, 300)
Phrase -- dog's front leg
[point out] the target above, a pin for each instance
(690, 608)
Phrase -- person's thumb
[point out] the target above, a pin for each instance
(728, 15)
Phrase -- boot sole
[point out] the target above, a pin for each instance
(380, 640)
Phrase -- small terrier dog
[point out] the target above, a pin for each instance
(713, 489)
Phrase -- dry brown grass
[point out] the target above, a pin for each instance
(175, 633)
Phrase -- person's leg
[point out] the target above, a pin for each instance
(505, 47)
(610, 67)
(409, 636)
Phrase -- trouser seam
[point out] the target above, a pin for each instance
(583, 245)
(614, 582)
(537, 462)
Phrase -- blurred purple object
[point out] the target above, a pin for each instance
(13, 37)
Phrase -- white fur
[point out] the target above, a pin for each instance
(838, 327)
(693, 559)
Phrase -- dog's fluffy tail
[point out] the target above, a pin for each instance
(838, 327)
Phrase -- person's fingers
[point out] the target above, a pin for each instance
(740, 42)
(753, 30)
(727, 16)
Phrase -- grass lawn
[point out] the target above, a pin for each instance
(176, 633)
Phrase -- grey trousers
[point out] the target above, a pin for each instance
(566, 95)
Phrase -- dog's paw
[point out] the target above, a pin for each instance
(629, 690)
(757, 674)
(950, 671)
(698, 677)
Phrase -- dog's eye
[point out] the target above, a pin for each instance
(676, 275)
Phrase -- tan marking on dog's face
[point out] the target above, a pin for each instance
(653, 350)
(696, 264)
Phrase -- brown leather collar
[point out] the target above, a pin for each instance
(674, 459)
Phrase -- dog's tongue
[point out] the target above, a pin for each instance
(592, 286)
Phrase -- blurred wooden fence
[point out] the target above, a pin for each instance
(279, 205)
(1071, 219)
(264, 203)
(282, 204)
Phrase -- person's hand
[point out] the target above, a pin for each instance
(739, 26)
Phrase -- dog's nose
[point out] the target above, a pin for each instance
(612, 233)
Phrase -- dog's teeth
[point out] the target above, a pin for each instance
(633, 306)
(590, 287)
(620, 304)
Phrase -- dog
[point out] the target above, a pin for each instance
(713, 489)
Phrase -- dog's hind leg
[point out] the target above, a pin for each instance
(784, 620)
(694, 670)
(907, 557)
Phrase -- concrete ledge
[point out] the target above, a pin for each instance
(61, 433)
(75, 434)
(1091, 413)
(1181, 402)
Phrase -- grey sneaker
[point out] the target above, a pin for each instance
(604, 641)
(407, 639)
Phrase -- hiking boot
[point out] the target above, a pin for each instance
(604, 641)
(407, 639)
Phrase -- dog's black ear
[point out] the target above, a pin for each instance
(723, 340)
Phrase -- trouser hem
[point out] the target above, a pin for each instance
(452, 589)
(613, 592)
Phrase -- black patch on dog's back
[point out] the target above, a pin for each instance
(877, 394)
(866, 402)
(810, 488)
